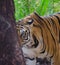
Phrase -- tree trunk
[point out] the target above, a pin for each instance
(10, 51)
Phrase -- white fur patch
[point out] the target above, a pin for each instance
(28, 52)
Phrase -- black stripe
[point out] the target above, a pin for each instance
(59, 25)
(52, 20)
(35, 40)
(47, 19)
(57, 18)
(54, 24)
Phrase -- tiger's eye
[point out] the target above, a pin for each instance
(30, 22)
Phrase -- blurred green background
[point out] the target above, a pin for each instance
(42, 7)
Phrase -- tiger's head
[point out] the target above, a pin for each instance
(29, 33)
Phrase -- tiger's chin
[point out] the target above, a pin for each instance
(32, 58)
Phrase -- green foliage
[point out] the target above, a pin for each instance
(42, 7)
(57, 6)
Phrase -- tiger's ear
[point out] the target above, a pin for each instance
(30, 21)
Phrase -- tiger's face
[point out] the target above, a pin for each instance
(29, 34)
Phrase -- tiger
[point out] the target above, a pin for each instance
(40, 37)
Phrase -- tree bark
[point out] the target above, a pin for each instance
(10, 51)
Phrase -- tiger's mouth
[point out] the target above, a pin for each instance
(29, 58)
